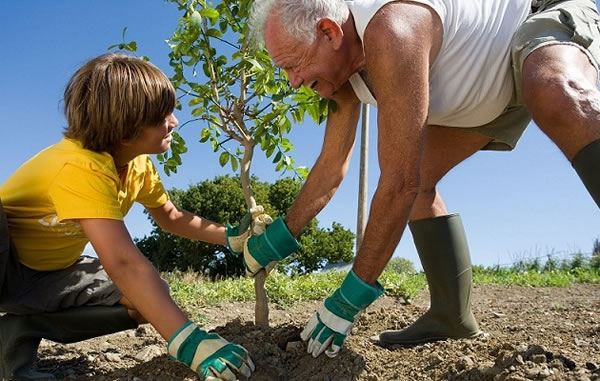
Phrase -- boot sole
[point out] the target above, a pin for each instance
(376, 339)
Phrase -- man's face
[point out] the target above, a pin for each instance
(312, 65)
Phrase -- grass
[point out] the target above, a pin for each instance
(192, 292)
(534, 273)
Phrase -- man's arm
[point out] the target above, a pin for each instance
(180, 222)
(133, 274)
(332, 163)
(400, 44)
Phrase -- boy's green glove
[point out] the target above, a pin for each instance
(326, 331)
(208, 354)
(273, 245)
(253, 222)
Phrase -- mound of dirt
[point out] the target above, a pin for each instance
(530, 334)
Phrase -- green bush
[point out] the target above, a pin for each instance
(400, 266)
(221, 200)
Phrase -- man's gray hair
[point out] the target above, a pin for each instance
(298, 17)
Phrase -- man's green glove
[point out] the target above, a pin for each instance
(273, 245)
(208, 354)
(253, 222)
(328, 327)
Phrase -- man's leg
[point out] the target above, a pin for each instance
(441, 244)
(561, 93)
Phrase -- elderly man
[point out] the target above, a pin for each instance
(450, 78)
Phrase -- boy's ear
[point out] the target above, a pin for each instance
(126, 142)
(331, 30)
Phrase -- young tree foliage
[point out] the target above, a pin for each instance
(236, 95)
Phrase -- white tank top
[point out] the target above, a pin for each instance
(470, 82)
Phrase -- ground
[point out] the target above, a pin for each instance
(531, 334)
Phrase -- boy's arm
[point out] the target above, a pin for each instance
(180, 222)
(208, 354)
(133, 274)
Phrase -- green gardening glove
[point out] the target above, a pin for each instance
(273, 245)
(236, 235)
(208, 354)
(253, 222)
(329, 326)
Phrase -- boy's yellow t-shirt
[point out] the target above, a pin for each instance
(48, 194)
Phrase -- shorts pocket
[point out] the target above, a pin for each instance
(584, 24)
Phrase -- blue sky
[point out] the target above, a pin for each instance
(514, 205)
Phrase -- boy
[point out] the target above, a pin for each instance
(119, 109)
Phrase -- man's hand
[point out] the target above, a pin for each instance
(254, 221)
(329, 326)
(274, 244)
(208, 354)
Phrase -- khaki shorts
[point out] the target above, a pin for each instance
(570, 22)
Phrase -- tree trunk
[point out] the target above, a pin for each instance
(261, 307)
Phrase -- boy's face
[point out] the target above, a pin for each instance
(155, 139)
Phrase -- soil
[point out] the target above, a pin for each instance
(530, 334)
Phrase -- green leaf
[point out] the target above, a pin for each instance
(302, 171)
(204, 135)
(223, 24)
(198, 111)
(286, 145)
(212, 32)
(195, 101)
(177, 158)
(210, 13)
(270, 150)
(224, 158)
(254, 63)
(234, 163)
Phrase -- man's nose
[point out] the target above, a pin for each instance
(295, 79)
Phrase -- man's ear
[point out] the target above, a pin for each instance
(330, 29)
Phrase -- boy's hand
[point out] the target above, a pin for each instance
(273, 245)
(253, 222)
(208, 354)
(326, 331)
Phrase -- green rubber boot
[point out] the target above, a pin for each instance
(444, 254)
(587, 166)
(20, 335)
